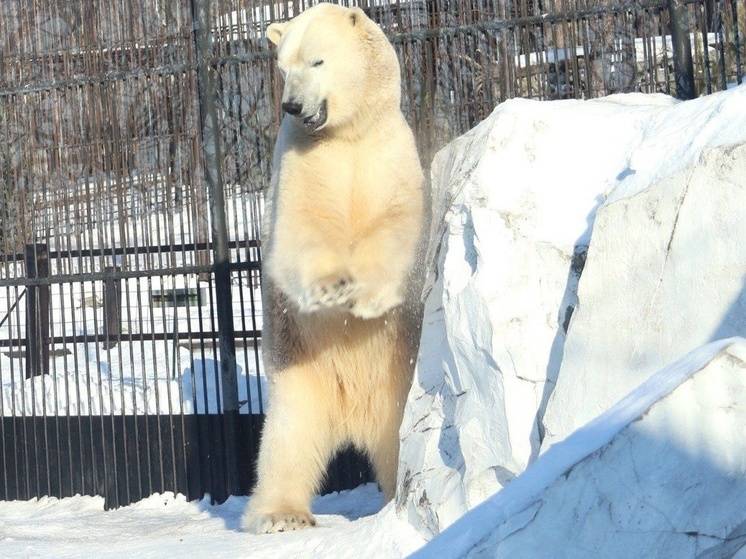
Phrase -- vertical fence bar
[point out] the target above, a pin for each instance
(112, 306)
(37, 312)
(212, 169)
(683, 66)
(737, 40)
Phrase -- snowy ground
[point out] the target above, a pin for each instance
(169, 526)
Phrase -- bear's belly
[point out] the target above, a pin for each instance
(355, 352)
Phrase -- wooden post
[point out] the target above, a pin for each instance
(37, 311)
(112, 308)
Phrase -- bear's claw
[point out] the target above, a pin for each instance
(331, 291)
(278, 522)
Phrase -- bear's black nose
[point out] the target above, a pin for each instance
(292, 108)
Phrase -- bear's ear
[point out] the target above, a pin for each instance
(356, 15)
(275, 32)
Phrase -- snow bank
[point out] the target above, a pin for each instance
(661, 474)
(132, 378)
(514, 205)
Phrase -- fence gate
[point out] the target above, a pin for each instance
(135, 143)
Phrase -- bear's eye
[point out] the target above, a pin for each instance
(317, 63)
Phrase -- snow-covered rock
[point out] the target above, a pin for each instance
(661, 474)
(514, 202)
(509, 238)
(665, 272)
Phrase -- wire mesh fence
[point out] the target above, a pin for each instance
(122, 290)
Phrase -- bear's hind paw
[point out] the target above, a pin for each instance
(331, 291)
(270, 523)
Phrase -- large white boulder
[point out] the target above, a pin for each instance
(661, 474)
(511, 229)
(665, 272)
(514, 202)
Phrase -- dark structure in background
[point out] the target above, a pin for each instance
(135, 143)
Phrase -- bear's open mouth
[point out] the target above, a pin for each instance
(316, 121)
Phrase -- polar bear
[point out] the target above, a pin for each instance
(342, 233)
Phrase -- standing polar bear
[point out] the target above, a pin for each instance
(342, 232)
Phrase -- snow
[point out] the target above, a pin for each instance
(165, 525)
(518, 500)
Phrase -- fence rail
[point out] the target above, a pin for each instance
(135, 144)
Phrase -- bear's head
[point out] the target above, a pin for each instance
(340, 70)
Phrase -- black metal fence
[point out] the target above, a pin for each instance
(135, 142)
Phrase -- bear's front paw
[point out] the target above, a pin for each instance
(335, 290)
(270, 523)
(376, 304)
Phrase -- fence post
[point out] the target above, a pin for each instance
(683, 67)
(37, 311)
(212, 167)
(112, 307)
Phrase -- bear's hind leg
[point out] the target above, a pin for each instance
(380, 437)
(382, 442)
(296, 446)
(385, 457)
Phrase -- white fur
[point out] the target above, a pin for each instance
(344, 219)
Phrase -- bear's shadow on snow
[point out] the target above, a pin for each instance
(230, 513)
